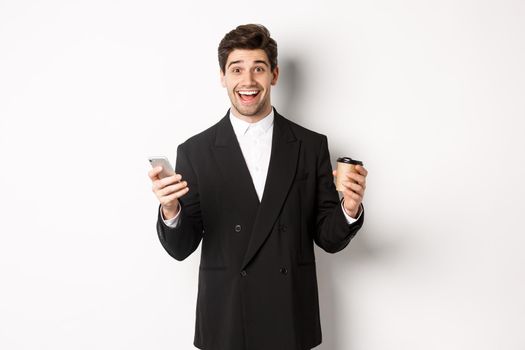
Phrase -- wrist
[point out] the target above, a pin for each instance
(169, 213)
(352, 212)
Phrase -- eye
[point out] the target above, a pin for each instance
(259, 69)
(235, 70)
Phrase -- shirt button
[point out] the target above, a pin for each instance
(244, 273)
(237, 228)
(283, 270)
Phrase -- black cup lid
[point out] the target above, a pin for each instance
(349, 160)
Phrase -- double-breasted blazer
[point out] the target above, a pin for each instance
(257, 287)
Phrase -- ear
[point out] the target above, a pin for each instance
(275, 73)
(223, 82)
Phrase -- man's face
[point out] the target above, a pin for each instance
(248, 79)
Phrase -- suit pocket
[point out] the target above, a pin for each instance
(211, 268)
(301, 176)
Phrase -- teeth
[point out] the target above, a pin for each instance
(248, 92)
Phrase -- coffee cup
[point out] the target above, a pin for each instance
(345, 165)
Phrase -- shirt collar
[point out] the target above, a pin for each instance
(240, 127)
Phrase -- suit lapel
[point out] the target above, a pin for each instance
(232, 166)
(239, 184)
(281, 170)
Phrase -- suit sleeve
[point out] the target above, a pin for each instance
(182, 240)
(333, 233)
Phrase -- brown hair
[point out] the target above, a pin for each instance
(251, 37)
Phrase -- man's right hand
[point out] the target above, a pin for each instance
(168, 190)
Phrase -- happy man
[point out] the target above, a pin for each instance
(258, 190)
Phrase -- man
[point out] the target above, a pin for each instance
(258, 190)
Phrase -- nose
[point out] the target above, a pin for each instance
(247, 78)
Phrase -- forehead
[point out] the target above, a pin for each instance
(247, 56)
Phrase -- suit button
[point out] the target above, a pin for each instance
(237, 228)
(283, 270)
(282, 228)
(243, 273)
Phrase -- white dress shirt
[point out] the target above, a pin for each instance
(255, 140)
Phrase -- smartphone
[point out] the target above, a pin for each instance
(167, 169)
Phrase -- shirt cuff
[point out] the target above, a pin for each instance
(174, 221)
(350, 219)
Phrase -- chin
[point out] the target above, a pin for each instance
(252, 111)
(249, 112)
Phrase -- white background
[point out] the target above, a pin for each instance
(429, 94)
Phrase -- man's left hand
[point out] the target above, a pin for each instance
(354, 190)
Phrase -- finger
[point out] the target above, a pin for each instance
(161, 184)
(356, 177)
(362, 170)
(352, 195)
(172, 188)
(170, 180)
(154, 172)
(354, 187)
(168, 199)
(167, 181)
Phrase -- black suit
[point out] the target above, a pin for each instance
(257, 276)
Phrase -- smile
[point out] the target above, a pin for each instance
(247, 95)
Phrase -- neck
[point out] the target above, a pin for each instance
(251, 118)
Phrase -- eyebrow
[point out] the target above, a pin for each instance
(240, 61)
